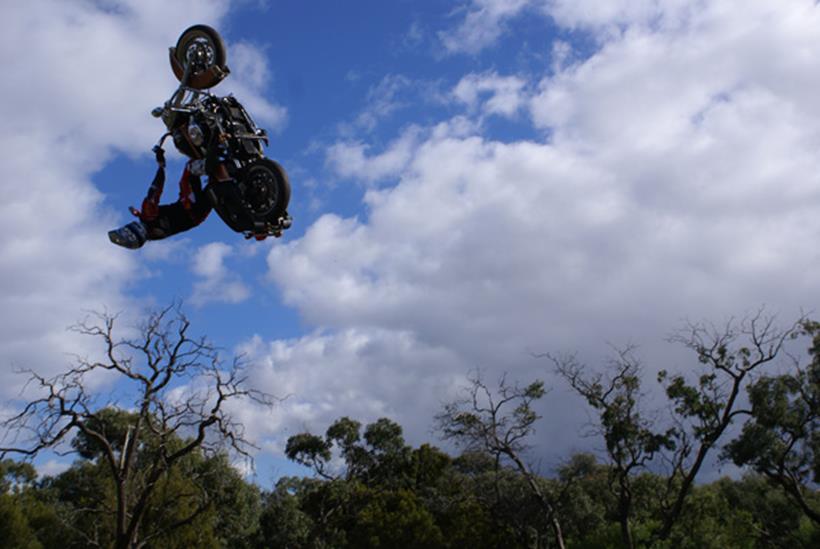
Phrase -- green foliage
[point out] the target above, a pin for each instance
(115, 427)
(14, 475)
(391, 495)
(27, 518)
(781, 440)
(380, 456)
(283, 522)
(15, 530)
(709, 521)
(389, 519)
(309, 450)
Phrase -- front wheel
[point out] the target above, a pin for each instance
(199, 59)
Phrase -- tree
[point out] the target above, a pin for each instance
(180, 390)
(500, 423)
(729, 357)
(388, 494)
(377, 462)
(631, 442)
(381, 458)
(781, 440)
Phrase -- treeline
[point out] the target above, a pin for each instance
(158, 474)
(390, 495)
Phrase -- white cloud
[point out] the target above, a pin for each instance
(483, 23)
(171, 250)
(79, 80)
(491, 93)
(364, 373)
(413, 37)
(249, 79)
(52, 468)
(680, 178)
(382, 100)
(608, 18)
(216, 282)
(249, 63)
(351, 159)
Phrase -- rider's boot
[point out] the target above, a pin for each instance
(131, 236)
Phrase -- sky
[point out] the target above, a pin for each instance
(474, 182)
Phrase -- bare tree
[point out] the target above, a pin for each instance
(181, 391)
(500, 423)
(631, 442)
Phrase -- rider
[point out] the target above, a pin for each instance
(156, 221)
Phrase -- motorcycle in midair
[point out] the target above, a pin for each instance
(249, 191)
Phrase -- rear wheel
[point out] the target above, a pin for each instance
(256, 201)
(267, 189)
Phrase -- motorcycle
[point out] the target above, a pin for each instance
(249, 192)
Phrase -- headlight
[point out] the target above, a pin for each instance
(195, 134)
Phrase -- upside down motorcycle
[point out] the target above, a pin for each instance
(249, 192)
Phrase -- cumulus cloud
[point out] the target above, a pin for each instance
(216, 283)
(79, 79)
(350, 159)
(364, 373)
(678, 178)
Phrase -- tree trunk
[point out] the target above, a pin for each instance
(545, 502)
(626, 532)
(624, 510)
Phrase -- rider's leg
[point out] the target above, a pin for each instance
(170, 220)
(176, 218)
(134, 234)
(150, 205)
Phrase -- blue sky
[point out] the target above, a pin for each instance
(328, 63)
(474, 181)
